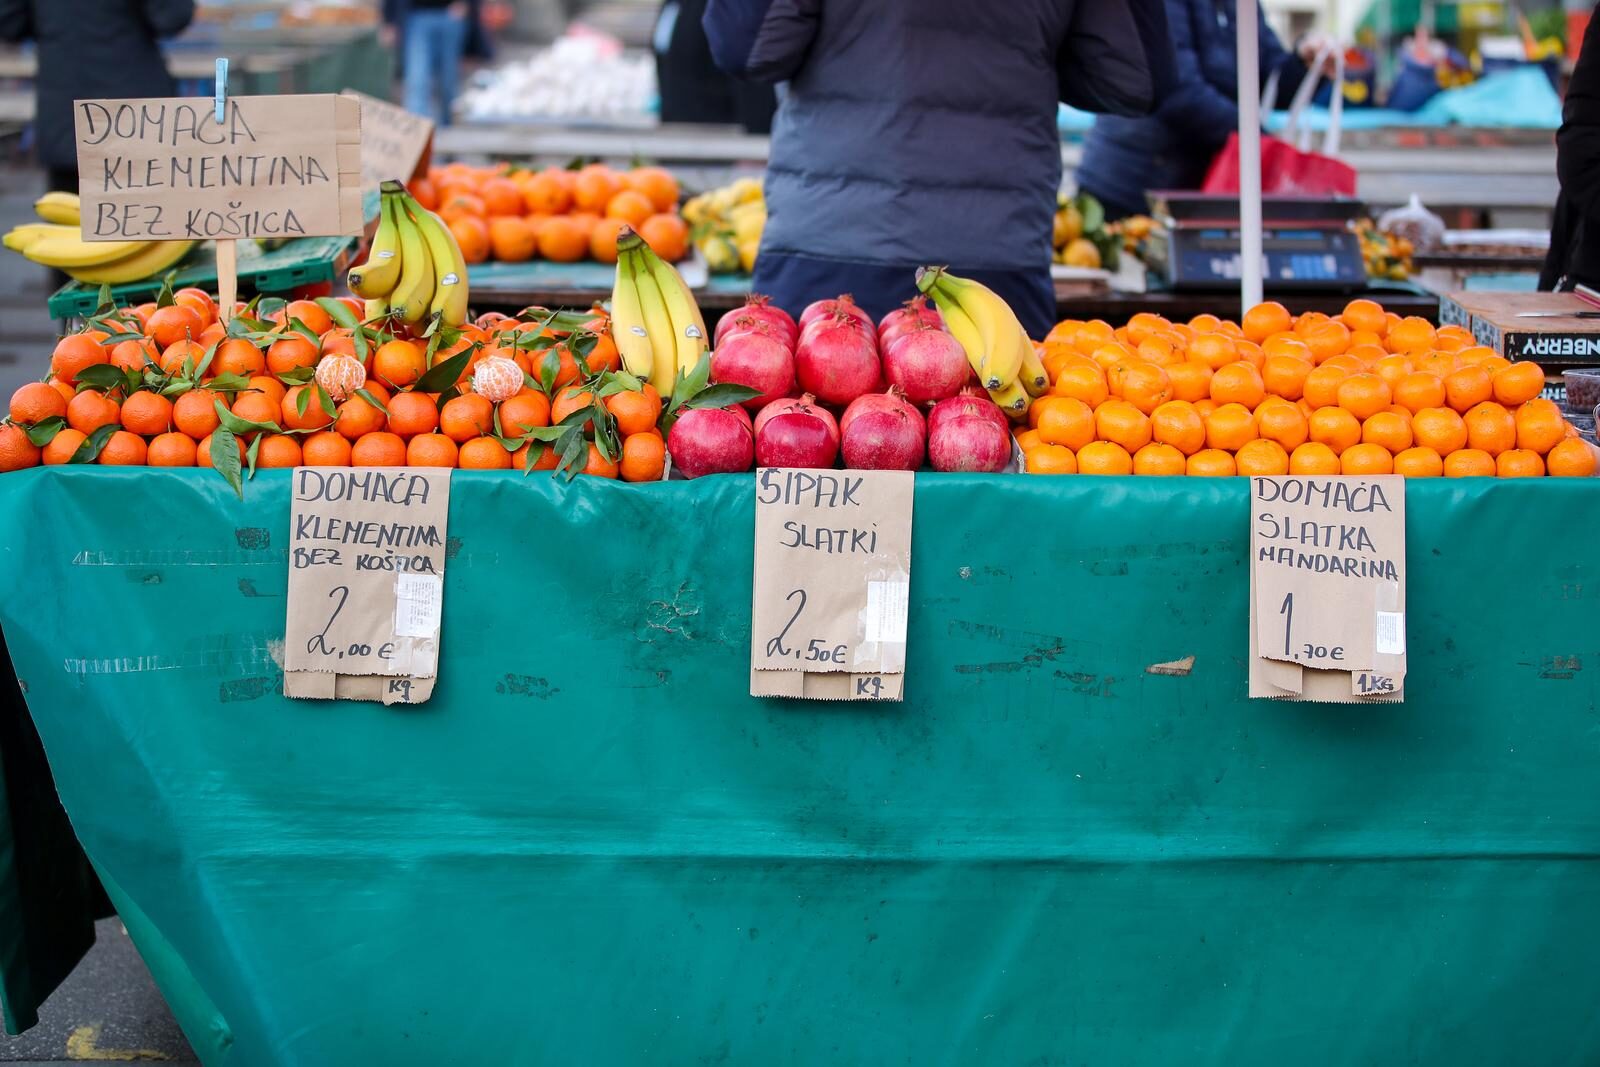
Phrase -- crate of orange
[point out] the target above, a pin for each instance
(167, 384)
(1363, 392)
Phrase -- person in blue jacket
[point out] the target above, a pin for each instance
(1123, 158)
(913, 132)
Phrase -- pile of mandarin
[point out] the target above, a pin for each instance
(511, 215)
(1365, 392)
(188, 371)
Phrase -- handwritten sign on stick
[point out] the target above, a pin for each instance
(395, 143)
(167, 170)
(1327, 596)
(366, 582)
(832, 583)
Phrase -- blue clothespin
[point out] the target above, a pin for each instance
(222, 90)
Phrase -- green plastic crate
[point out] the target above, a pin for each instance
(301, 262)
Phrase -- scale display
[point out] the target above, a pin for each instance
(1291, 259)
(1307, 242)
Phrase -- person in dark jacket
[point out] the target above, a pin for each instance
(90, 49)
(692, 88)
(914, 133)
(1123, 158)
(1574, 256)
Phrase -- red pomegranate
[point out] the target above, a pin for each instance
(837, 360)
(712, 441)
(796, 433)
(755, 357)
(759, 309)
(882, 431)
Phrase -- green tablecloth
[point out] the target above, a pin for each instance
(593, 847)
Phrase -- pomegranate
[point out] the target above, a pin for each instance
(882, 432)
(837, 359)
(756, 358)
(965, 439)
(756, 309)
(843, 304)
(712, 441)
(806, 403)
(926, 362)
(796, 433)
(914, 312)
(972, 400)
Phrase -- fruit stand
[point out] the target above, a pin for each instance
(1075, 839)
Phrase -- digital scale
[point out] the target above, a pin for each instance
(1308, 243)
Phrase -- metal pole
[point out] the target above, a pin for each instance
(1249, 156)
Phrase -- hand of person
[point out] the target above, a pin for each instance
(388, 35)
(458, 10)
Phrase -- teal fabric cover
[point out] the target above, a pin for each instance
(593, 847)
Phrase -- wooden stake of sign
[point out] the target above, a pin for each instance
(227, 251)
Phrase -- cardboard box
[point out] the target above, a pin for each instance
(1559, 341)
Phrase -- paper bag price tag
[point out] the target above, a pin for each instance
(167, 170)
(832, 582)
(366, 581)
(395, 143)
(1327, 587)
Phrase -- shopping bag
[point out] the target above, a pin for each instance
(1288, 169)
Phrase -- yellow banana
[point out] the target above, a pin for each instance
(962, 328)
(450, 270)
(628, 329)
(151, 259)
(58, 207)
(18, 238)
(658, 324)
(689, 335)
(378, 276)
(1035, 379)
(377, 308)
(66, 250)
(413, 293)
(1013, 400)
(1003, 335)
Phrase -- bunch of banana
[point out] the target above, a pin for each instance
(997, 346)
(56, 242)
(727, 225)
(414, 271)
(655, 320)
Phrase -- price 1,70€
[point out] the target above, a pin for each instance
(1306, 650)
(816, 650)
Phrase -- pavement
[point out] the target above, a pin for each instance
(109, 1007)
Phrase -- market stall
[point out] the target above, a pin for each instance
(593, 823)
(523, 743)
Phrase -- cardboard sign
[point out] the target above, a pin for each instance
(1327, 588)
(166, 170)
(395, 144)
(366, 582)
(832, 584)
